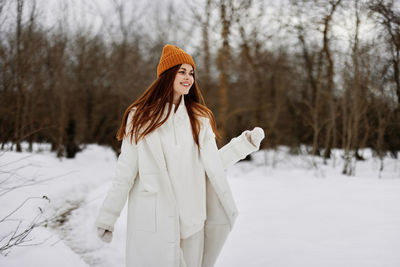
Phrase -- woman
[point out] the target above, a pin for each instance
(180, 206)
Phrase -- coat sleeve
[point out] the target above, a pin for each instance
(125, 175)
(238, 148)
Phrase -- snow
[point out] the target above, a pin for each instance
(67, 183)
(290, 213)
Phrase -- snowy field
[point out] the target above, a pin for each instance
(291, 214)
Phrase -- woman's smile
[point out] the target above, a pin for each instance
(186, 84)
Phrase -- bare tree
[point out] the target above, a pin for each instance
(228, 13)
(202, 18)
(224, 54)
(331, 134)
(320, 69)
(354, 103)
(19, 117)
(389, 18)
(387, 15)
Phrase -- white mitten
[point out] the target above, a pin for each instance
(255, 136)
(104, 234)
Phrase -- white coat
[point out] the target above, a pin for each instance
(153, 235)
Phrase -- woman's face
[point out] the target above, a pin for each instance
(183, 80)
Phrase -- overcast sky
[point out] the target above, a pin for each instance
(100, 16)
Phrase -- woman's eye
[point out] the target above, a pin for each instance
(183, 72)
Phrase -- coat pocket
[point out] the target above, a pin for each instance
(145, 218)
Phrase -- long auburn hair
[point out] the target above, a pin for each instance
(150, 107)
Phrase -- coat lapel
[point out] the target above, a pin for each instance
(154, 144)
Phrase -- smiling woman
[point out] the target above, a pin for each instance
(180, 205)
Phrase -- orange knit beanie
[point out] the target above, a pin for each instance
(172, 56)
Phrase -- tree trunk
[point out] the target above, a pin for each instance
(223, 65)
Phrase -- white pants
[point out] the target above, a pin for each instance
(192, 250)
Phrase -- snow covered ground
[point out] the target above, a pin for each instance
(291, 215)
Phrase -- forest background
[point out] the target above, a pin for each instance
(325, 74)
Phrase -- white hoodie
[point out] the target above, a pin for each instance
(183, 164)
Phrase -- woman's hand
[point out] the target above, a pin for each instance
(104, 234)
(255, 136)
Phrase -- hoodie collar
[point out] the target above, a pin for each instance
(180, 112)
(181, 104)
